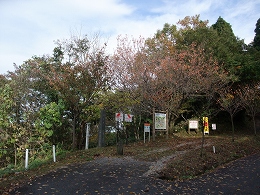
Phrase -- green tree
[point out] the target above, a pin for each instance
(50, 118)
(79, 75)
(228, 47)
(256, 42)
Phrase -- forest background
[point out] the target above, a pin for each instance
(189, 69)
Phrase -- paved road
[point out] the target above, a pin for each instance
(127, 176)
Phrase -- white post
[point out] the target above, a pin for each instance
(54, 153)
(214, 149)
(26, 158)
(87, 136)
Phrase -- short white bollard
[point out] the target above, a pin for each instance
(214, 149)
(26, 158)
(54, 153)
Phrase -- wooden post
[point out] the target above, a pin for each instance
(167, 125)
(153, 124)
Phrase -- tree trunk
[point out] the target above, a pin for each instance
(233, 128)
(254, 125)
(74, 132)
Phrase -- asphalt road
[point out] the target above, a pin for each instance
(127, 176)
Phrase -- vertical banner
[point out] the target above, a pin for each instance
(206, 125)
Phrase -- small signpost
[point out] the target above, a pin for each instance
(194, 125)
(120, 118)
(146, 130)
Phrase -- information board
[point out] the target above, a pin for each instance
(160, 121)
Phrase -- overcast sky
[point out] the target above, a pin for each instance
(30, 27)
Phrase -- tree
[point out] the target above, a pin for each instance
(249, 94)
(163, 77)
(228, 48)
(6, 129)
(230, 101)
(78, 74)
(256, 42)
(20, 109)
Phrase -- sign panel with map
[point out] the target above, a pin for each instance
(160, 121)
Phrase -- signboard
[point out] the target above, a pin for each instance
(147, 127)
(160, 120)
(146, 130)
(193, 124)
(214, 126)
(206, 125)
(128, 118)
(119, 116)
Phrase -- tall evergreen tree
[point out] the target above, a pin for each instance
(256, 42)
(228, 47)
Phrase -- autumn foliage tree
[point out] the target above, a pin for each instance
(78, 74)
(166, 77)
(230, 101)
(249, 95)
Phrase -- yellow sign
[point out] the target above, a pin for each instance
(206, 125)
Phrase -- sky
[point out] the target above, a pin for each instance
(31, 27)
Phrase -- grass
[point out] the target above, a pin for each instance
(187, 162)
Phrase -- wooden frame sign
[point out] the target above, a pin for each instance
(160, 122)
(194, 125)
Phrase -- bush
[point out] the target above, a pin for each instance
(180, 127)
